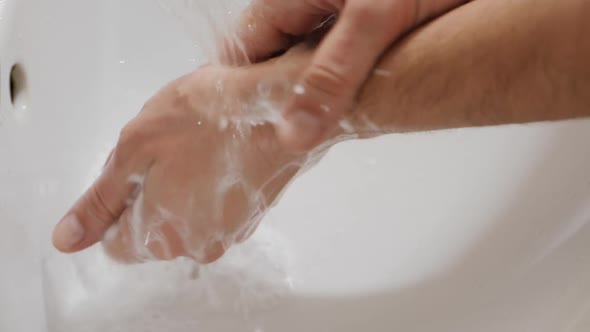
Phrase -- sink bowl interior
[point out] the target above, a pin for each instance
(462, 230)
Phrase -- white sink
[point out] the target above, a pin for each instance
(463, 230)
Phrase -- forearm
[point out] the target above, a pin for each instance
(486, 63)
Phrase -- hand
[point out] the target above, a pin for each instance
(193, 173)
(346, 58)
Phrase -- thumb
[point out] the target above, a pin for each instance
(94, 213)
(341, 65)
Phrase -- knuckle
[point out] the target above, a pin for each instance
(98, 210)
(180, 100)
(326, 79)
(374, 13)
(121, 156)
(130, 136)
(367, 11)
(132, 142)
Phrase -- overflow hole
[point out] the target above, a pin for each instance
(18, 87)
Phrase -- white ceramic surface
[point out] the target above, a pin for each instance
(460, 231)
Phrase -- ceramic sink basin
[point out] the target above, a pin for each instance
(460, 231)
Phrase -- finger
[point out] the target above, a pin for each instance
(140, 235)
(162, 223)
(268, 26)
(343, 62)
(144, 235)
(145, 231)
(119, 242)
(98, 208)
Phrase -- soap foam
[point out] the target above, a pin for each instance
(93, 293)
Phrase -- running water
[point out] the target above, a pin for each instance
(210, 25)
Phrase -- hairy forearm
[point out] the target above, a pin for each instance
(486, 63)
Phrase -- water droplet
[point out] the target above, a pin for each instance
(223, 123)
(122, 62)
(147, 239)
(347, 126)
(195, 272)
(299, 89)
(382, 72)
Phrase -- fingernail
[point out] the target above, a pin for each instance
(302, 128)
(69, 232)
